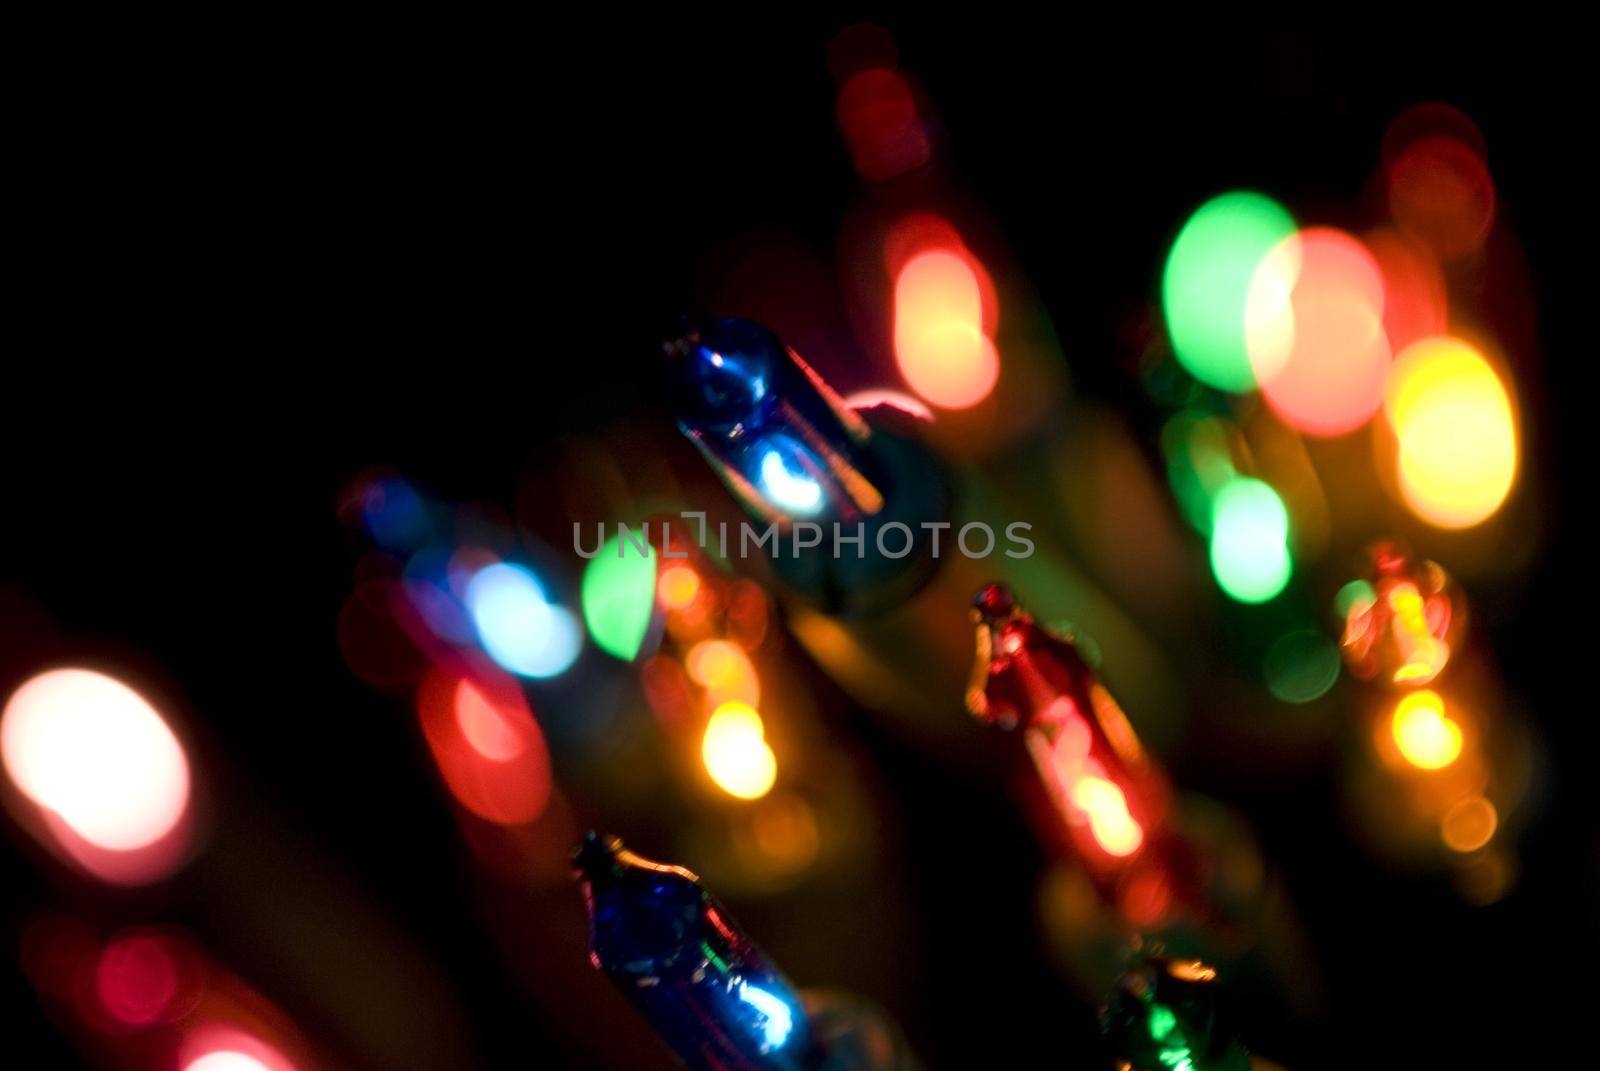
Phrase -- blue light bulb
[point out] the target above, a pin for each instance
(780, 438)
(796, 457)
(710, 993)
(725, 375)
(518, 626)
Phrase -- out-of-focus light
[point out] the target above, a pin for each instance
(373, 639)
(1351, 605)
(878, 114)
(666, 688)
(1249, 540)
(736, 753)
(242, 1053)
(747, 613)
(1399, 623)
(784, 834)
(1113, 827)
(917, 233)
(724, 671)
(794, 491)
(1485, 876)
(136, 979)
(1207, 282)
(1457, 440)
(1431, 119)
(227, 1061)
(1440, 190)
(219, 1045)
(1301, 666)
(1426, 737)
(1415, 301)
(618, 595)
(861, 46)
(487, 746)
(677, 587)
(1147, 899)
(93, 752)
(394, 513)
(940, 342)
(1314, 331)
(1356, 597)
(1469, 824)
(220, 1039)
(224, 1046)
(490, 731)
(1199, 452)
(1423, 655)
(518, 628)
(434, 584)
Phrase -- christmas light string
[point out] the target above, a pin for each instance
(1277, 336)
(1099, 797)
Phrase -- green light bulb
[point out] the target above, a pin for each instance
(618, 595)
(1172, 1015)
(1249, 540)
(1207, 281)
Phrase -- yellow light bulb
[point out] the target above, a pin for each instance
(1425, 736)
(1452, 418)
(736, 753)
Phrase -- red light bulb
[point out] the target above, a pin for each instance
(1401, 622)
(1102, 801)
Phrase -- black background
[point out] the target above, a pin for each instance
(247, 270)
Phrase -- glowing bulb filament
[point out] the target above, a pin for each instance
(778, 1017)
(789, 490)
(1107, 810)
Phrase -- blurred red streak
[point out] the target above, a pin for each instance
(487, 746)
